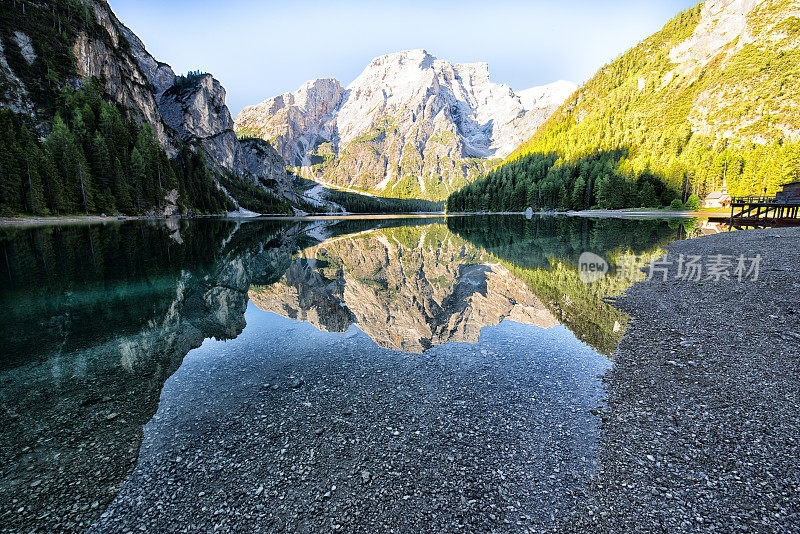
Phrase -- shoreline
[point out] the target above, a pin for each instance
(700, 428)
(27, 221)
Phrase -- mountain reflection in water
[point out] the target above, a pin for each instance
(96, 318)
(409, 289)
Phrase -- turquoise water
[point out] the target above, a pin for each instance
(440, 373)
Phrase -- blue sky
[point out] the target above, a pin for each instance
(260, 49)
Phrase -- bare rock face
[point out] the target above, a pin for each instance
(13, 93)
(197, 113)
(125, 82)
(294, 122)
(407, 290)
(25, 47)
(193, 113)
(721, 22)
(410, 126)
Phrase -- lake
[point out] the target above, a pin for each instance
(403, 374)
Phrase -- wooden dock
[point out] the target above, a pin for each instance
(765, 211)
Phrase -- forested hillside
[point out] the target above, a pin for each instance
(715, 93)
(95, 160)
(81, 129)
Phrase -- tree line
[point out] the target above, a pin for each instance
(625, 139)
(96, 159)
(545, 181)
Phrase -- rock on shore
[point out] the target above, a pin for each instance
(701, 431)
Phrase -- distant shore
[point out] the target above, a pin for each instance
(648, 213)
(700, 431)
(67, 219)
(30, 220)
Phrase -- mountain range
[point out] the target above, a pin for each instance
(409, 126)
(91, 122)
(409, 289)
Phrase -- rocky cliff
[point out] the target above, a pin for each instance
(409, 289)
(410, 126)
(186, 110)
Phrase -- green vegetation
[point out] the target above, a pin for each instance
(545, 181)
(79, 153)
(188, 81)
(643, 132)
(357, 203)
(247, 133)
(693, 203)
(544, 254)
(322, 156)
(252, 197)
(96, 160)
(52, 27)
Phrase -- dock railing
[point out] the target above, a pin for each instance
(764, 209)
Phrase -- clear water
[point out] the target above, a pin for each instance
(408, 374)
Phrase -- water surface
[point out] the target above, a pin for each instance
(434, 374)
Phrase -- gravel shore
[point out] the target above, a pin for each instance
(701, 429)
(291, 429)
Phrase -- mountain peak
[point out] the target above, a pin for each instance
(410, 125)
(418, 56)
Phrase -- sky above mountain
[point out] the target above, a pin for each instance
(261, 49)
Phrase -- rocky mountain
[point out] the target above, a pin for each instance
(409, 126)
(41, 46)
(409, 289)
(715, 94)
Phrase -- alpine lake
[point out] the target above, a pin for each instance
(309, 375)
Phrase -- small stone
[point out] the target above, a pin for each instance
(366, 476)
(296, 383)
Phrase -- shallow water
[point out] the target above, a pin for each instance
(414, 374)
